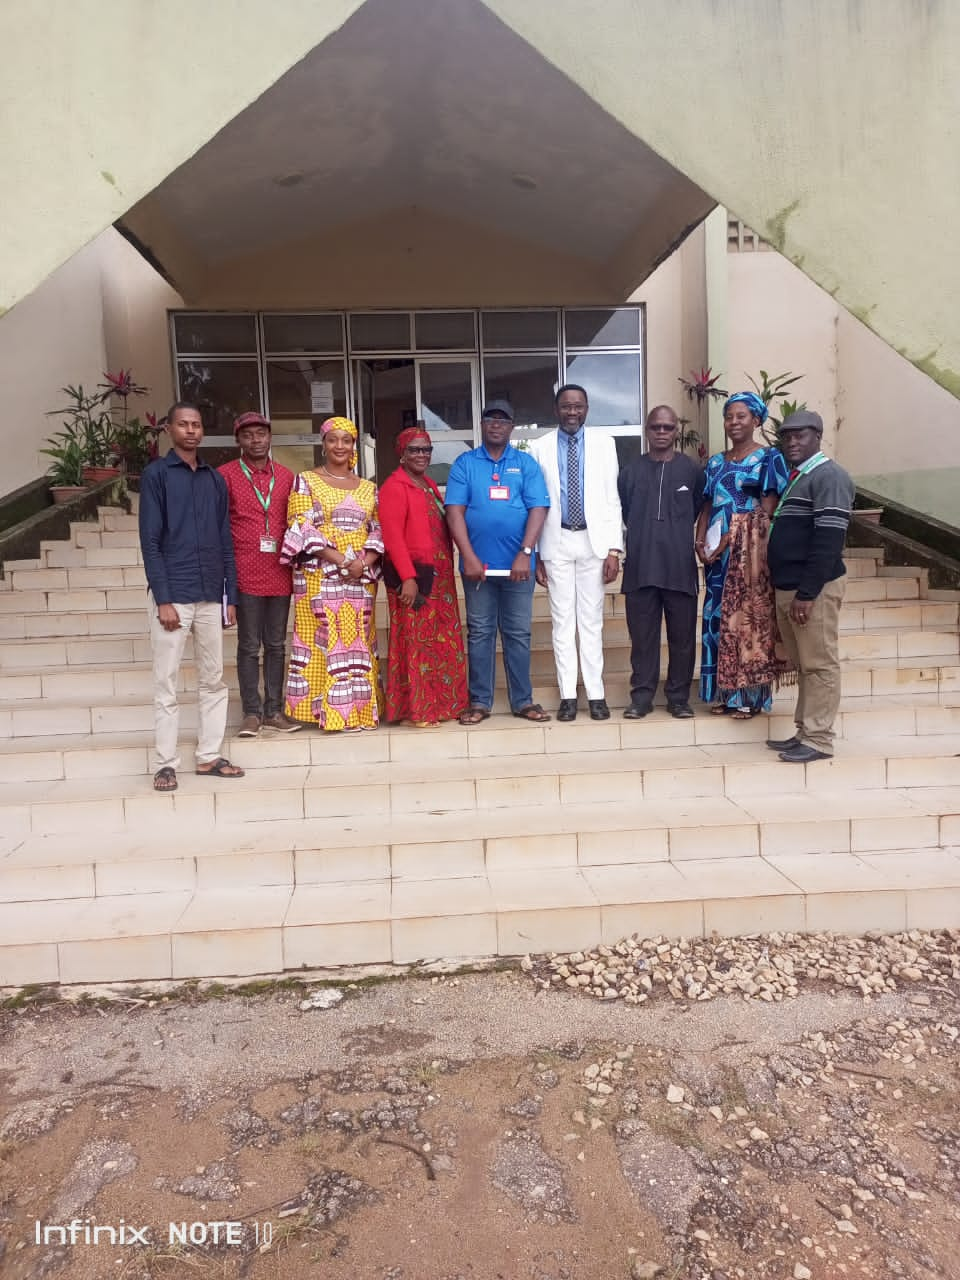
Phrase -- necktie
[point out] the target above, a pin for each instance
(574, 497)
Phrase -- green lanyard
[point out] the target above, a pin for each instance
(811, 464)
(264, 501)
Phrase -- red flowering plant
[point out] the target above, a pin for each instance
(699, 388)
(133, 443)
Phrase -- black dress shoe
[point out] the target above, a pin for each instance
(680, 710)
(599, 709)
(567, 709)
(637, 710)
(803, 754)
(785, 744)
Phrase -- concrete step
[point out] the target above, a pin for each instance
(124, 754)
(463, 786)
(510, 911)
(104, 700)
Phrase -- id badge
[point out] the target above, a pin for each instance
(268, 545)
(499, 493)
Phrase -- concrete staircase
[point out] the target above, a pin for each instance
(406, 844)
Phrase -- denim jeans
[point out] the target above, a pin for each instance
(261, 624)
(499, 604)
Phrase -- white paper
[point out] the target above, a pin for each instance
(712, 540)
(321, 397)
(496, 573)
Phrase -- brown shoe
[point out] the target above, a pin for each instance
(281, 724)
(249, 727)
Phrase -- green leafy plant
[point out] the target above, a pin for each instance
(98, 425)
(67, 449)
(85, 420)
(770, 389)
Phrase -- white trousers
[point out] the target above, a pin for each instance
(204, 620)
(575, 578)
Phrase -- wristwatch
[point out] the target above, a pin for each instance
(527, 551)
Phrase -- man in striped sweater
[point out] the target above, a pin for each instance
(805, 554)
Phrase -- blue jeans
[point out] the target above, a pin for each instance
(499, 603)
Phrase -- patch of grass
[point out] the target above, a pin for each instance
(157, 1259)
(732, 1088)
(33, 993)
(309, 1145)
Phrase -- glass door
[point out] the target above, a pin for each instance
(449, 408)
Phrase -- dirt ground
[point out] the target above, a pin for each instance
(478, 1128)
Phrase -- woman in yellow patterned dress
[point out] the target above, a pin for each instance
(334, 544)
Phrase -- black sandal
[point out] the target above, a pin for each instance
(533, 711)
(165, 779)
(220, 768)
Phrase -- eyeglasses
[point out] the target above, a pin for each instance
(662, 426)
(494, 417)
(420, 448)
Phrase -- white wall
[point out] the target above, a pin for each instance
(102, 310)
(779, 320)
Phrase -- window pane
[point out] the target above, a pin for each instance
(519, 329)
(600, 328)
(302, 333)
(445, 331)
(381, 331)
(612, 384)
(292, 386)
(446, 395)
(223, 389)
(221, 335)
(528, 382)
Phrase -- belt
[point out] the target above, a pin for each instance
(575, 528)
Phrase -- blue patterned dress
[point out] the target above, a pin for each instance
(740, 619)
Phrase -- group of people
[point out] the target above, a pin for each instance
(233, 546)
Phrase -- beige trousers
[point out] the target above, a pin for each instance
(204, 620)
(814, 650)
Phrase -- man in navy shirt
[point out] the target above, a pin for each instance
(497, 501)
(188, 558)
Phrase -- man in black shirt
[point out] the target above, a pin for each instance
(661, 494)
(188, 559)
(805, 554)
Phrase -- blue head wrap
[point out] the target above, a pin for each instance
(751, 400)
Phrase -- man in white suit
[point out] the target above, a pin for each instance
(580, 546)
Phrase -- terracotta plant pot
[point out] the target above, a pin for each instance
(61, 493)
(97, 475)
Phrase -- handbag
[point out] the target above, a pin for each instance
(424, 573)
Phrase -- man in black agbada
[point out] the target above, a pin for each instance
(661, 493)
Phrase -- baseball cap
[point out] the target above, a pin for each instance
(503, 407)
(250, 420)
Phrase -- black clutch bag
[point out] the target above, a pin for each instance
(424, 574)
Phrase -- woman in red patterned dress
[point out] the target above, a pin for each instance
(426, 667)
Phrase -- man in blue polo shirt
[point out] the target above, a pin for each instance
(497, 501)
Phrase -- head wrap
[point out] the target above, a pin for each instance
(408, 435)
(751, 400)
(341, 424)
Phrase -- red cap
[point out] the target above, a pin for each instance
(251, 419)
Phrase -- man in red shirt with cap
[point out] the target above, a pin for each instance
(258, 490)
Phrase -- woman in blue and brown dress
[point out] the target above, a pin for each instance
(739, 664)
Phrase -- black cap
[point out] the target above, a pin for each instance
(503, 407)
(802, 419)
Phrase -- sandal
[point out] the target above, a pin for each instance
(720, 709)
(742, 713)
(533, 711)
(220, 768)
(474, 715)
(165, 779)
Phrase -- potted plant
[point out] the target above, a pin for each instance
(770, 389)
(699, 388)
(135, 443)
(87, 422)
(66, 448)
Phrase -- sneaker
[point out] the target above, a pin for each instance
(249, 727)
(280, 724)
